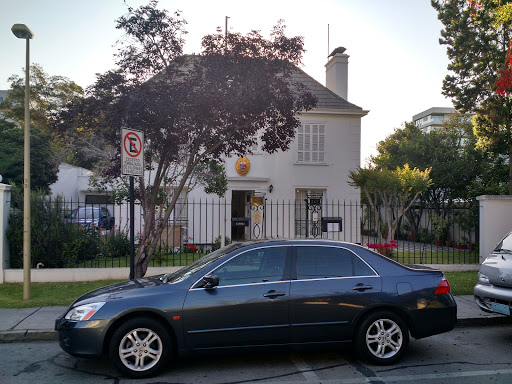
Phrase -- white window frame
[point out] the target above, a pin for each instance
(311, 143)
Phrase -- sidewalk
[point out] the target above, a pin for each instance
(33, 324)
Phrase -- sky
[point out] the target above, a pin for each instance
(396, 65)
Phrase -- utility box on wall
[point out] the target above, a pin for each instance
(332, 224)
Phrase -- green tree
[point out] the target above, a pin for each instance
(477, 36)
(48, 94)
(459, 168)
(396, 190)
(43, 165)
(193, 109)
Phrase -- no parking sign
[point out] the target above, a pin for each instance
(132, 152)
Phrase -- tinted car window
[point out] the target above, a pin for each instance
(254, 266)
(325, 262)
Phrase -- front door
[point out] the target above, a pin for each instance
(249, 307)
(240, 215)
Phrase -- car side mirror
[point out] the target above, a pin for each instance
(210, 281)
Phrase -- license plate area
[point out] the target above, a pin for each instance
(500, 308)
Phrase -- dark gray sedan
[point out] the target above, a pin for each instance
(262, 294)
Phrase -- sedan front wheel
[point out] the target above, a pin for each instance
(140, 347)
(382, 338)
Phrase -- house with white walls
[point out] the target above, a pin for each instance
(285, 194)
(301, 182)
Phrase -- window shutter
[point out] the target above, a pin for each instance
(311, 143)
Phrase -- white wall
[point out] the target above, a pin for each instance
(72, 182)
(286, 175)
(5, 205)
(495, 222)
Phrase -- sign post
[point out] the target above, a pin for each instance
(132, 164)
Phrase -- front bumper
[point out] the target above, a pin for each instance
(486, 295)
(82, 338)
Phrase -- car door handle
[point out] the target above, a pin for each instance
(273, 294)
(362, 287)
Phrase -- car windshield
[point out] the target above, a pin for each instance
(505, 245)
(85, 213)
(185, 272)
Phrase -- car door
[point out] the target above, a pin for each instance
(330, 285)
(250, 306)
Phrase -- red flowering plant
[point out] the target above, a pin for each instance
(190, 248)
(385, 249)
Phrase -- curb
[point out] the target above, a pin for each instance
(28, 335)
(495, 320)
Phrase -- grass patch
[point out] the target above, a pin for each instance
(462, 283)
(428, 256)
(47, 294)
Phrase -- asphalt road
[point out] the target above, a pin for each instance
(469, 355)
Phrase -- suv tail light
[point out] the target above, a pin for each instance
(443, 287)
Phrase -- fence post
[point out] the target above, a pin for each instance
(495, 221)
(5, 208)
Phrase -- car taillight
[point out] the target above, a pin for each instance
(443, 287)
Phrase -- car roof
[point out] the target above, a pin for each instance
(283, 241)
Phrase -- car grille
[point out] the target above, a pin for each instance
(499, 301)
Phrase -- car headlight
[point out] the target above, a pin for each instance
(483, 279)
(83, 312)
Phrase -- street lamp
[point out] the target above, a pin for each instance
(21, 31)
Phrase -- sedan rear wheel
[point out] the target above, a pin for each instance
(382, 338)
(140, 347)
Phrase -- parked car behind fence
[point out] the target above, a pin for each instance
(92, 217)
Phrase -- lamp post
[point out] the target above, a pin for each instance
(21, 31)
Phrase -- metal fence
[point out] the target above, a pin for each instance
(61, 237)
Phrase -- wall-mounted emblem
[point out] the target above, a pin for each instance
(243, 165)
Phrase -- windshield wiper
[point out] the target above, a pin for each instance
(503, 250)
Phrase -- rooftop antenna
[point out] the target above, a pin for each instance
(226, 36)
(328, 37)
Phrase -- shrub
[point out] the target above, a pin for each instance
(54, 243)
(190, 248)
(385, 249)
(216, 243)
(115, 244)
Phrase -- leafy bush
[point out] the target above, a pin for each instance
(115, 244)
(385, 249)
(216, 243)
(190, 248)
(54, 243)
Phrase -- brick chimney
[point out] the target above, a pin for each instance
(336, 72)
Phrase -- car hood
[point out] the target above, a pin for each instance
(120, 290)
(498, 268)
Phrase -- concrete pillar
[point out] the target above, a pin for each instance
(495, 221)
(5, 208)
